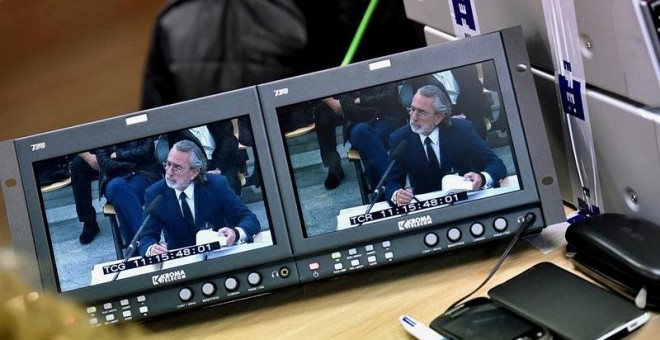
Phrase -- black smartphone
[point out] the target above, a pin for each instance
(481, 318)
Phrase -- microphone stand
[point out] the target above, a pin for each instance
(132, 247)
(375, 195)
(396, 154)
(134, 242)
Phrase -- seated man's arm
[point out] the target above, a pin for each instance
(481, 158)
(396, 179)
(150, 235)
(140, 151)
(494, 167)
(234, 211)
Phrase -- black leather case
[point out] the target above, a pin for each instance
(620, 252)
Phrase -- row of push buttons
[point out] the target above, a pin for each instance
(126, 313)
(231, 284)
(369, 248)
(476, 230)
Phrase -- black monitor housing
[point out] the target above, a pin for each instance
(151, 286)
(312, 233)
(332, 234)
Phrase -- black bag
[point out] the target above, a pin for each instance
(620, 252)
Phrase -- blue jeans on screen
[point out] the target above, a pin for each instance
(371, 141)
(127, 195)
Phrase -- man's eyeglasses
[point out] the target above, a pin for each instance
(177, 169)
(419, 112)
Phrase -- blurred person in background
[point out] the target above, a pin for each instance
(203, 47)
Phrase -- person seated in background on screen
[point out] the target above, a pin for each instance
(328, 115)
(456, 148)
(126, 170)
(193, 200)
(369, 116)
(84, 169)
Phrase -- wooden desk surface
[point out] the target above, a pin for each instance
(365, 305)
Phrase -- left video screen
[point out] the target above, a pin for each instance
(153, 203)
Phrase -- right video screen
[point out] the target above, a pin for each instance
(400, 148)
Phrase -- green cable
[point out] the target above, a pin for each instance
(359, 33)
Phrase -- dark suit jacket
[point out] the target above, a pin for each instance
(215, 204)
(461, 151)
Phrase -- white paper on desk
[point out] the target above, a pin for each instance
(209, 236)
(202, 237)
(456, 183)
(551, 238)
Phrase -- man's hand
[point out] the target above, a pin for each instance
(333, 104)
(230, 234)
(475, 178)
(90, 159)
(403, 197)
(157, 248)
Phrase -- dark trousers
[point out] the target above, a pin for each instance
(82, 176)
(127, 195)
(371, 140)
(326, 121)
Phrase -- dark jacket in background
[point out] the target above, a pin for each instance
(202, 47)
(134, 157)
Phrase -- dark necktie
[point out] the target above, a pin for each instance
(187, 213)
(433, 160)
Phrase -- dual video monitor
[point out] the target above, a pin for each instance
(301, 179)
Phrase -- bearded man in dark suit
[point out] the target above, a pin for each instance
(193, 200)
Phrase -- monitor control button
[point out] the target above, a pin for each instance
(431, 239)
(185, 294)
(477, 229)
(454, 234)
(231, 284)
(208, 289)
(500, 224)
(254, 278)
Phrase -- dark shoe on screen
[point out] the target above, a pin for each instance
(333, 179)
(90, 230)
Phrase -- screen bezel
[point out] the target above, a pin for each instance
(518, 98)
(229, 105)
